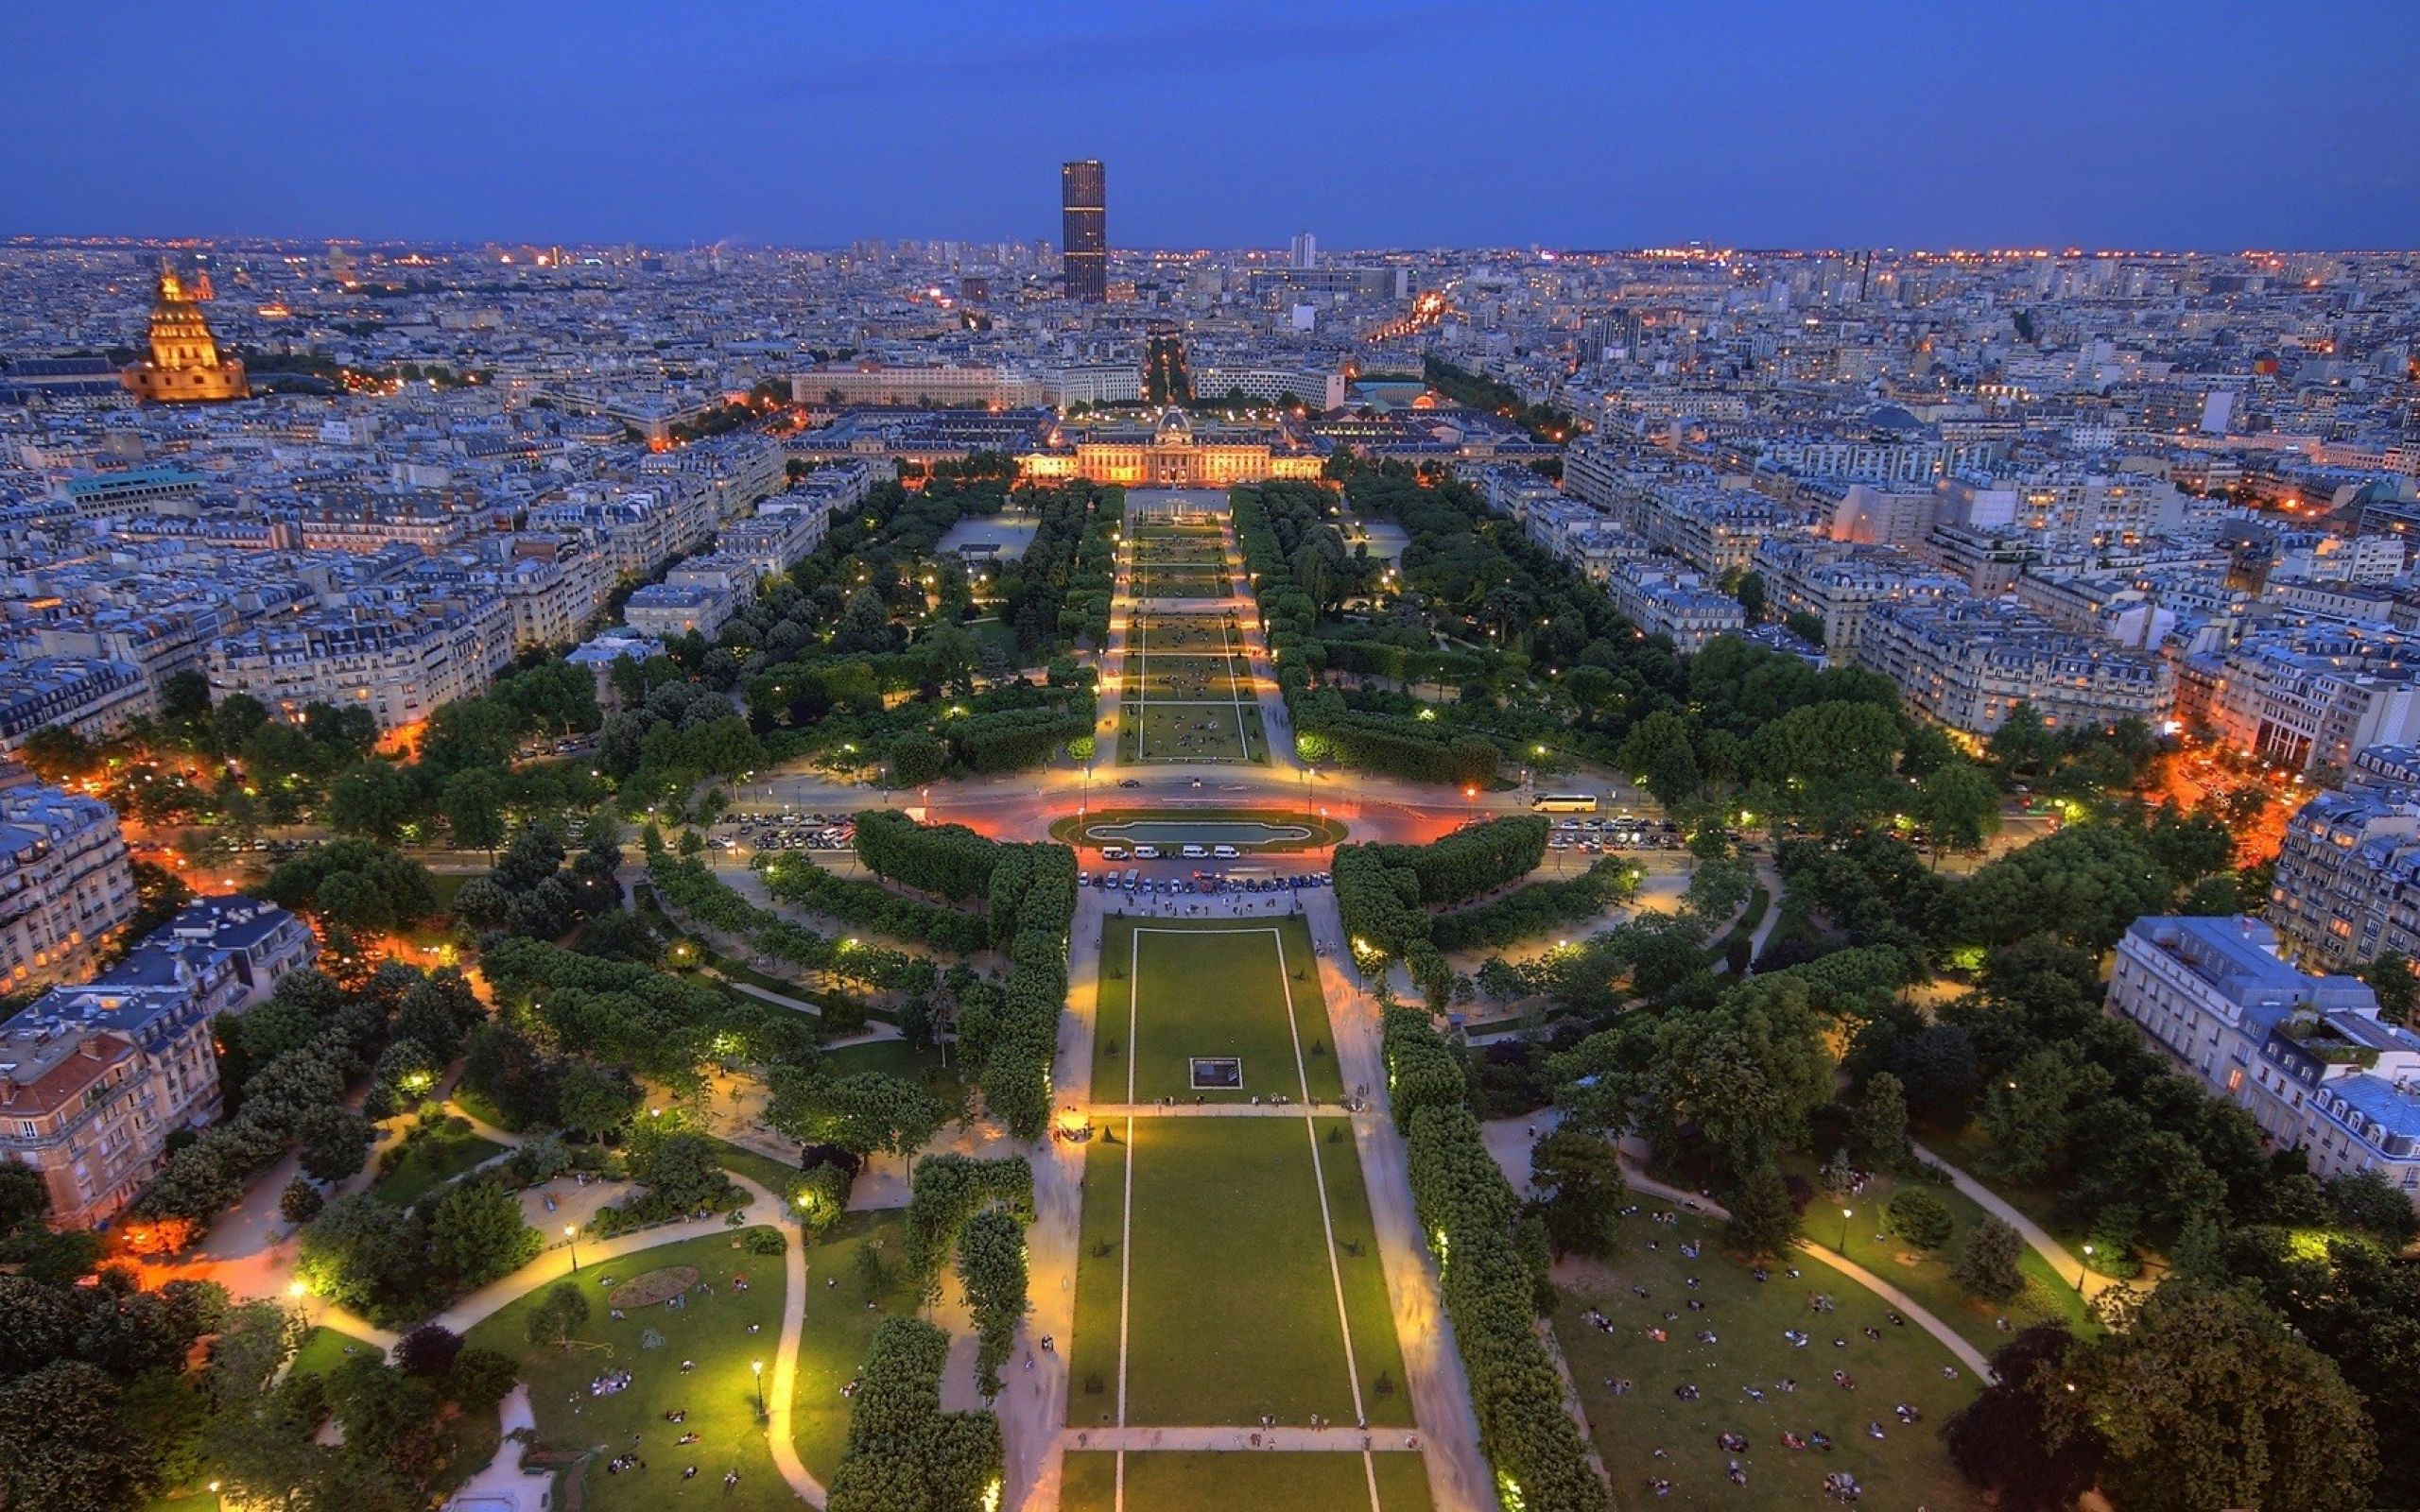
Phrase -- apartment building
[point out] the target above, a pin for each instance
(65, 885)
(2312, 695)
(1662, 597)
(1715, 530)
(1838, 583)
(2307, 1056)
(1968, 661)
(400, 660)
(2346, 887)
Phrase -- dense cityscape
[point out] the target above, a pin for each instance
(935, 875)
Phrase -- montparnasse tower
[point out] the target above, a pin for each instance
(185, 366)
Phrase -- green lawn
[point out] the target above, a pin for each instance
(429, 1162)
(324, 1349)
(1156, 581)
(1202, 1482)
(899, 1058)
(1232, 1311)
(1221, 731)
(720, 1395)
(1211, 989)
(1926, 1278)
(839, 1330)
(1193, 678)
(1906, 1469)
(773, 1175)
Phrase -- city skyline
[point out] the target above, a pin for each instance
(1901, 128)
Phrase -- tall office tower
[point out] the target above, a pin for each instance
(1083, 206)
(1305, 251)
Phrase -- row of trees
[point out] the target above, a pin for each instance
(904, 1453)
(689, 888)
(1490, 1257)
(980, 1208)
(1528, 912)
(794, 879)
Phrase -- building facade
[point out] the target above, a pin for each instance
(66, 887)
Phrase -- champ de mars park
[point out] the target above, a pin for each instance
(1209, 1022)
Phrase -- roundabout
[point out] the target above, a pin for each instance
(1244, 830)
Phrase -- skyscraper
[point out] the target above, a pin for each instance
(1305, 251)
(1083, 205)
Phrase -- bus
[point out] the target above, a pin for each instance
(1564, 804)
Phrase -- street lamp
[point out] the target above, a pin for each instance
(215, 1499)
(1846, 1213)
(757, 1368)
(571, 1236)
(2084, 1269)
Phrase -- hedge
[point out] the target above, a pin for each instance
(1031, 889)
(799, 881)
(1470, 1216)
(1534, 909)
(1382, 890)
(904, 1453)
(685, 885)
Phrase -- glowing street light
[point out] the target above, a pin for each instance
(1846, 1213)
(571, 1236)
(757, 1368)
(2084, 1269)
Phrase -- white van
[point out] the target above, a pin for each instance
(1146, 852)
(1196, 852)
(1113, 852)
(1225, 852)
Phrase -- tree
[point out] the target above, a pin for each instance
(1763, 1219)
(474, 808)
(2001, 1440)
(64, 1446)
(2392, 977)
(478, 1233)
(301, 1201)
(58, 755)
(361, 1252)
(1751, 593)
(1987, 1266)
(864, 1113)
(558, 1309)
(1959, 806)
(333, 1139)
(1578, 1184)
(1878, 1131)
(679, 1169)
(2368, 1201)
(1920, 1218)
(2205, 1400)
(991, 1267)
(430, 1349)
(594, 1100)
(373, 800)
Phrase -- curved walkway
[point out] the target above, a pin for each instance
(554, 1264)
(1950, 1339)
(2066, 1266)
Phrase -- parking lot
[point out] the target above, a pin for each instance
(786, 832)
(1606, 836)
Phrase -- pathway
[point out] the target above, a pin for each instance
(1458, 1477)
(2065, 1267)
(1319, 1441)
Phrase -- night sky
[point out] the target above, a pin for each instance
(2214, 124)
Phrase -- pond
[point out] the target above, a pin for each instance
(1195, 832)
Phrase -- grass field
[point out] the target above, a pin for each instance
(434, 1158)
(1904, 1469)
(1195, 1481)
(1201, 733)
(1156, 580)
(1232, 1312)
(1926, 1278)
(324, 1349)
(720, 1395)
(1194, 678)
(838, 1329)
(898, 1058)
(1219, 988)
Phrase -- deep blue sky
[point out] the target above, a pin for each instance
(2184, 123)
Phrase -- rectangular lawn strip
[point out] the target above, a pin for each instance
(1209, 991)
(720, 1395)
(1196, 677)
(1232, 1312)
(1906, 1467)
(838, 1329)
(1280, 1481)
(1384, 1403)
(1927, 1278)
(1091, 1357)
(1200, 733)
